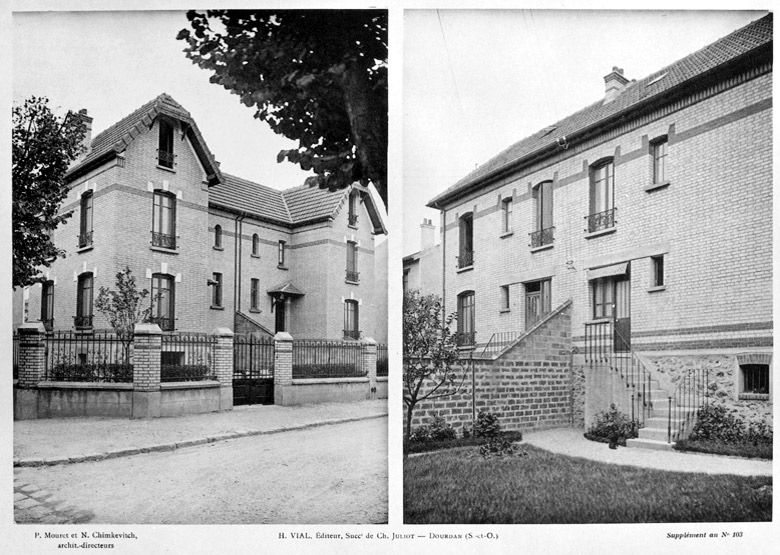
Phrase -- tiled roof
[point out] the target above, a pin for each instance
(312, 203)
(245, 196)
(738, 43)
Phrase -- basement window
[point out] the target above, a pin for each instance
(754, 380)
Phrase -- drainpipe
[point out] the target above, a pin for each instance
(443, 261)
(237, 265)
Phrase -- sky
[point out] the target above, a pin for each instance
(113, 62)
(475, 82)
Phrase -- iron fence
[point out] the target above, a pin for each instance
(326, 359)
(381, 360)
(92, 357)
(16, 355)
(253, 356)
(186, 357)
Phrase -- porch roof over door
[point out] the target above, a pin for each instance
(608, 271)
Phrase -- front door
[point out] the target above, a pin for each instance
(279, 306)
(622, 330)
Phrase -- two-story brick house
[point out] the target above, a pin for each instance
(650, 211)
(214, 250)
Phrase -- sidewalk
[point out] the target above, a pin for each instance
(568, 441)
(70, 440)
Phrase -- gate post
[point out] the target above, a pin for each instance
(147, 346)
(369, 365)
(223, 366)
(32, 369)
(283, 347)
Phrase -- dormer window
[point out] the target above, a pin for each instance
(165, 149)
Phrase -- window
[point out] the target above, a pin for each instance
(755, 379)
(658, 271)
(504, 289)
(537, 301)
(543, 214)
(353, 217)
(164, 220)
(217, 236)
(603, 297)
(658, 151)
(47, 304)
(282, 246)
(255, 245)
(352, 253)
(85, 228)
(466, 248)
(165, 149)
(216, 291)
(602, 197)
(351, 322)
(254, 294)
(83, 319)
(466, 334)
(506, 215)
(163, 301)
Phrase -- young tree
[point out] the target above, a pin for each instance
(43, 146)
(315, 76)
(123, 308)
(430, 353)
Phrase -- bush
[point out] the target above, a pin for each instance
(105, 372)
(332, 370)
(438, 429)
(498, 446)
(184, 373)
(487, 424)
(613, 426)
(721, 431)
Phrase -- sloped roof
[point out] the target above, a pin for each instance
(312, 203)
(288, 288)
(741, 42)
(116, 138)
(246, 196)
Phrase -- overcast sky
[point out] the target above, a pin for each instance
(476, 82)
(113, 62)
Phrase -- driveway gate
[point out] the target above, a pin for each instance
(253, 370)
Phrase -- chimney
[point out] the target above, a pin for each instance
(615, 83)
(427, 234)
(87, 142)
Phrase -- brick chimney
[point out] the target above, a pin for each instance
(87, 142)
(427, 234)
(615, 82)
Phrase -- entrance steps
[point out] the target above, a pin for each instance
(655, 433)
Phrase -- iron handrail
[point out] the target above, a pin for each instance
(685, 402)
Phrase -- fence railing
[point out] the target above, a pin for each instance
(326, 359)
(16, 356)
(541, 237)
(186, 357)
(253, 357)
(691, 393)
(498, 342)
(381, 359)
(465, 259)
(163, 240)
(601, 220)
(96, 357)
(85, 238)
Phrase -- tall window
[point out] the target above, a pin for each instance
(83, 317)
(217, 236)
(506, 215)
(216, 291)
(255, 245)
(353, 217)
(352, 253)
(164, 220)
(602, 197)
(165, 148)
(85, 228)
(282, 246)
(504, 291)
(163, 301)
(543, 212)
(254, 294)
(603, 297)
(466, 333)
(466, 246)
(351, 319)
(47, 304)
(537, 301)
(658, 150)
(658, 271)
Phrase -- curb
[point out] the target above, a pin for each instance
(181, 444)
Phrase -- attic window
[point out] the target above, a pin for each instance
(656, 79)
(165, 148)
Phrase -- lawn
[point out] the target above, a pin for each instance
(459, 486)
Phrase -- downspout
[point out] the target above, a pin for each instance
(443, 261)
(237, 266)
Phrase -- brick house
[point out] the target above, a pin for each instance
(214, 250)
(639, 227)
(422, 269)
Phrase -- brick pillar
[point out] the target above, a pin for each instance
(147, 345)
(223, 366)
(282, 367)
(32, 369)
(369, 365)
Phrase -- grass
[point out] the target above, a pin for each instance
(742, 449)
(461, 487)
(425, 446)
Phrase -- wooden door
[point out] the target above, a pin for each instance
(622, 329)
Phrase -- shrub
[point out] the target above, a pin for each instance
(720, 430)
(498, 446)
(326, 370)
(438, 429)
(184, 373)
(103, 372)
(614, 426)
(487, 424)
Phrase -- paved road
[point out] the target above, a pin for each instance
(326, 475)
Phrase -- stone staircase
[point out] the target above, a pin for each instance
(655, 433)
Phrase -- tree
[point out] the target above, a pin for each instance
(43, 146)
(430, 353)
(318, 77)
(123, 308)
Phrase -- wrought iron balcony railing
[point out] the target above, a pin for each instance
(353, 276)
(165, 323)
(85, 239)
(465, 338)
(465, 259)
(351, 334)
(353, 218)
(542, 237)
(163, 240)
(83, 322)
(165, 158)
(601, 220)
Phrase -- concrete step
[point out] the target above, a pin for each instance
(662, 409)
(655, 433)
(649, 444)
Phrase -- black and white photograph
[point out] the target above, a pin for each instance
(587, 267)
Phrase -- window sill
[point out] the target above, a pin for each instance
(255, 310)
(657, 288)
(163, 249)
(600, 232)
(352, 226)
(218, 248)
(599, 321)
(350, 282)
(85, 248)
(506, 234)
(282, 267)
(164, 168)
(542, 248)
(655, 186)
(254, 255)
(466, 269)
(215, 307)
(754, 396)
(503, 310)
